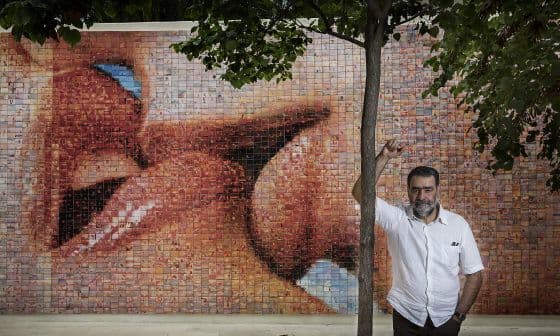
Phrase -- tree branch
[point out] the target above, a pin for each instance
(329, 24)
(333, 33)
(489, 7)
(408, 19)
(319, 11)
(386, 7)
(373, 5)
(281, 13)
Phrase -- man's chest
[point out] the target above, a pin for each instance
(434, 245)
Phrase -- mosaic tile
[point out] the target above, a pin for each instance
(134, 181)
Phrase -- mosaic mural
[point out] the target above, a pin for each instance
(134, 181)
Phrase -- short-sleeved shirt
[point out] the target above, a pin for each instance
(426, 261)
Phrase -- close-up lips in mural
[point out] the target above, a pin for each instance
(180, 215)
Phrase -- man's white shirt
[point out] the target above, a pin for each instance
(427, 259)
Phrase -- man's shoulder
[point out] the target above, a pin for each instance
(398, 206)
(403, 205)
(454, 218)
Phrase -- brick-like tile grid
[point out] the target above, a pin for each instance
(190, 196)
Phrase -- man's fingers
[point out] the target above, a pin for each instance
(393, 148)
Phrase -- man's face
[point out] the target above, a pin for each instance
(423, 195)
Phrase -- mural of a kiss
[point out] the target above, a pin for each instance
(157, 216)
(95, 165)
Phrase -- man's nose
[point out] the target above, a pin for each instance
(424, 195)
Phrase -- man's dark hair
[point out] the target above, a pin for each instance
(424, 172)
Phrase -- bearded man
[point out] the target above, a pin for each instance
(430, 247)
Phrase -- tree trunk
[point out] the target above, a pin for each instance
(373, 43)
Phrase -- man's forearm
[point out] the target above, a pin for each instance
(380, 163)
(470, 292)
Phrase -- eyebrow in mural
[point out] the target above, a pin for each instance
(105, 147)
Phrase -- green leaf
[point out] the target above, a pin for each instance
(17, 13)
(230, 45)
(110, 10)
(423, 29)
(433, 31)
(70, 35)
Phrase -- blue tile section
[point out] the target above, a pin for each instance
(123, 75)
(332, 284)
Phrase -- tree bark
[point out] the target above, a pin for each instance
(373, 42)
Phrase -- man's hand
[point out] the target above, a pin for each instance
(392, 149)
(472, 285)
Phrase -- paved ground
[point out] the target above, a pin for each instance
(249, 325)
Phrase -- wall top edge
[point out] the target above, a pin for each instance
(135, 26)
(149, 26)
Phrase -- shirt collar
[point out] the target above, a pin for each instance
(442, 214)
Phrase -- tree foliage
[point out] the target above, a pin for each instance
(506, 56)
(230, 34)
(233, 34)
(38, 20)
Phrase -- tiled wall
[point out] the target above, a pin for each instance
(134, 181)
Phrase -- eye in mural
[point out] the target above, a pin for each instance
(170, 207)
(94, 137)
(96, 173)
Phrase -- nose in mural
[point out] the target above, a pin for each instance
(302, 207)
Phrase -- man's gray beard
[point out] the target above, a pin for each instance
(424, 209)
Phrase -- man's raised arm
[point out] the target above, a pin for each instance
(389, 151)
